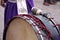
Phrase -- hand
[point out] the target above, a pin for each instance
(2, 3)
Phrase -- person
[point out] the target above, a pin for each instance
(48, 2)
(11, 9)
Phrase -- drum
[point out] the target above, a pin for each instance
(50, 26)
(29, 27)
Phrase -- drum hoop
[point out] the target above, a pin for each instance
(5, 29)
(38, 20)
(51, 22)
(46, 30)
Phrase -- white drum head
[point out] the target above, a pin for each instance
(19, 29)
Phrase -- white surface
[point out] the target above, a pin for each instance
(22, 7)
(1, 22)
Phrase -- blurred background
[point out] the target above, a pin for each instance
(54, 9)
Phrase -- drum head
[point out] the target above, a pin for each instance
(19, 29)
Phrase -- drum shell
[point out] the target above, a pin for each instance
(49, 25)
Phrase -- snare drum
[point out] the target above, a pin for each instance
(28, 27)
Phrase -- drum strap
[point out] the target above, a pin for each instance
(21, 7)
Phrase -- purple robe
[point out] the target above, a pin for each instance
(58, 38)
(30, 4)
(11, 10)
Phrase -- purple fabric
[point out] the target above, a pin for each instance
(58, 38)
(5, 1)
(10, 12)
(30, 4)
